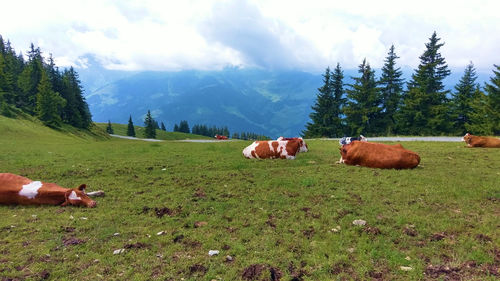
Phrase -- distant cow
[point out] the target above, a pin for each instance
(284, 149)
(219, 137)
(348, 140)
(19, 190)
(378, 155)
(477, 141)
(303, 144)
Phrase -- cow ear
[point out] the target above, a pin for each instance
(82, 187)
(66, 200)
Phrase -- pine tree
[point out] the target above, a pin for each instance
(29, 80)
(130, 127)
(184, 127)
(321, 116)
(493, 101)
(391, 87)
(176, 128)
(149, 124)
(109, 129)
(76, 111)
(163, 127)
(461, 107)
(425, 108)
(338, 102)
(48, 103)
(363, 107)
(479, 121)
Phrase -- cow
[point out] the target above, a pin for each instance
(19, 190)
(348, 140)
(378, 155)
(219, 137)
(477, 141)
(303, 144)
(283, 149)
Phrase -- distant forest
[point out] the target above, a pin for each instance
(37, 87)
(378, 107)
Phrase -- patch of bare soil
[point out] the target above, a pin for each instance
(197, 269)
(69, 241)
(261, 272)
(162, 211)
(138, 245)
(373, 230)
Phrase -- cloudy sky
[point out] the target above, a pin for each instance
(292, 34)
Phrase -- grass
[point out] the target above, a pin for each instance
(121, 129)
(279, 218)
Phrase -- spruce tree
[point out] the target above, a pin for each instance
(130, 127)
(391, 87)
(425, 109)
(321, 117)
(338, 102)
(479, 121)
(29, 79)
(461, 103)
(48, 103)
(363, 107)
(493, 101)
(149, 124)
(163, 127)
(109, 129)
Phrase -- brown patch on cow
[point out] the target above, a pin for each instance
(198, 269)
(260, 272)
(138, 245)
(72, 241)
(438, 236)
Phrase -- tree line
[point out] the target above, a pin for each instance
(37, 87)
(382, 106)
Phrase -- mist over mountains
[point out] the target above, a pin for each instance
(268, 102)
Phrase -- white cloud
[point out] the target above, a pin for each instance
(210, 34)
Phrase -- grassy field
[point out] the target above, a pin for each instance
(269, 220)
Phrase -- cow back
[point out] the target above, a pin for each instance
(378, 155)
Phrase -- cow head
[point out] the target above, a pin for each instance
(77, 197)
(362, 138)
(303, 145)
(467, 138)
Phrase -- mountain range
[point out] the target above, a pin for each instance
(268, 102)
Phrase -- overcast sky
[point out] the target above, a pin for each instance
(207, 34)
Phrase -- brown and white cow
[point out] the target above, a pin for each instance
(19, 190)
(284, 149)
(477, 141)
(303, 144)
(378, 155)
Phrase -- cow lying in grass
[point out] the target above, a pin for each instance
(303, 144)
(283, 149)
(19, 190)
(477, 141)
(348, 140)
(378, 155)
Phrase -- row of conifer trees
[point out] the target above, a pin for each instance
(36, 86)
(383, 106)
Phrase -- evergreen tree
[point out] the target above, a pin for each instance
(363, 107)
(461, 104)
(163, 127)
(29, 80)
(48, 103)
(76, 111)
(130, 127)
(109, 129)
(184, 127)
(479, 121)
(338, 102)
(236, 136)
(425, 109)
(493, 101)
(391, 87)
(149, 124)
(176, 128)
(322, 115)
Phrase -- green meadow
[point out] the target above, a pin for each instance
(169, 203)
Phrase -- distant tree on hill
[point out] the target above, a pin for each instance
(150, 128)
(321, 116)
(461, 103)
(109, 129)
(176, 128)
(424, 109)
(48, 103)
(391, 88)
(493, 100)
(130, 127)
(183, 127)
(163, 127)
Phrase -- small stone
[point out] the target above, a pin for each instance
(350, 250)
(405, 268)
(229, 258)
(200, 224)
(213, 252)
(119, 251)
(116, 234)
(159, 256)
(359, 222)
(84, 218)
(160, 233)
(408, 258)
(96, 261)
(164, 169)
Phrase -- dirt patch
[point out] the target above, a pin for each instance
(341, 267)
(261, 272)
(162, 211)
(410, 231)
(200, 193)
(138, 245)
(308, 233)
(68, 229)
(198, 269)
(342, 213)
(44, 275)
(438, 236)
(372, 230)
(271, 221)
(69, 241)
(297, 274)
(483, 238)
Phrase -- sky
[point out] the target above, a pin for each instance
(214, 34)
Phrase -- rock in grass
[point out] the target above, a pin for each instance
(119, 251)
(213, 252)
(359, 222)
(405, 268)
(200, 224)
